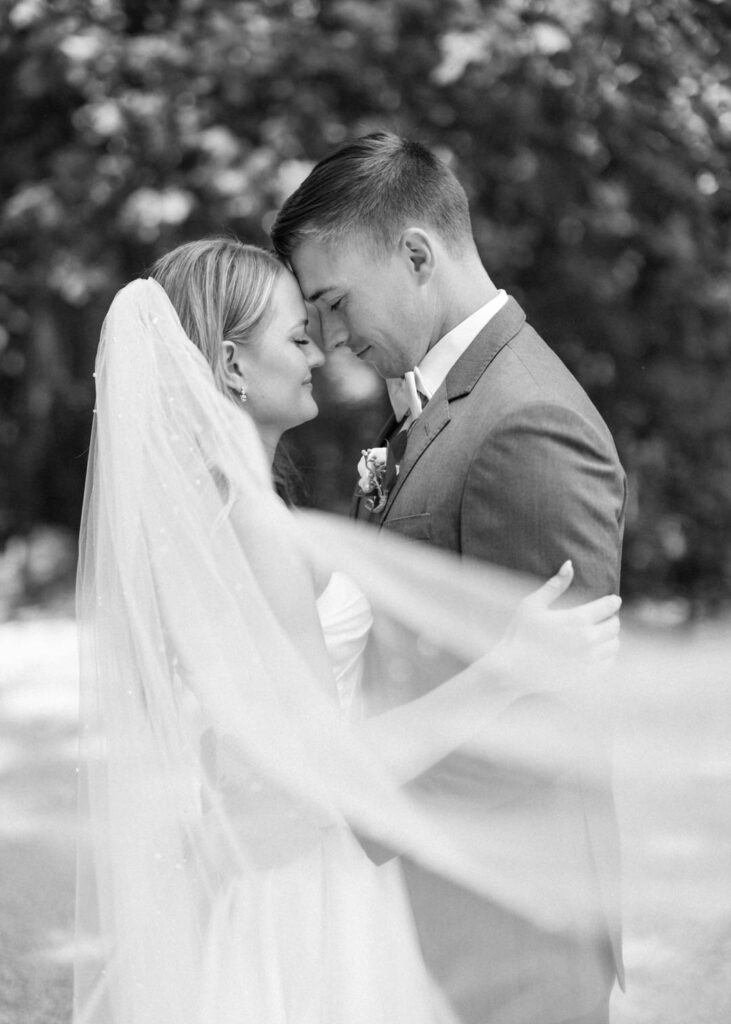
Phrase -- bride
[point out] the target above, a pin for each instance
(242, 743)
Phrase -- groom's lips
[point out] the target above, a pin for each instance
(359, 355)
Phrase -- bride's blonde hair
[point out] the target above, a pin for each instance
(220, 288)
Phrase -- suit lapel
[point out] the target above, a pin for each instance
(475, 360)
(460, 381)
(432, 421)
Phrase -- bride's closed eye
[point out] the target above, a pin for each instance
(334, 305)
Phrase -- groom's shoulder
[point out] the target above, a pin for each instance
(527, 387)
(528, 371)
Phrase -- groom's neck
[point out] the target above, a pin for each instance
(464, 287)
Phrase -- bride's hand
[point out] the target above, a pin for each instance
(587, 633)
(589, 630)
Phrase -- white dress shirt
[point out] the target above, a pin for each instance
(425, 378)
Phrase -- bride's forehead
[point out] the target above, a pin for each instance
(288, 290)
(287, 302)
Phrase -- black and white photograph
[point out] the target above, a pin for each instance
(365, 512)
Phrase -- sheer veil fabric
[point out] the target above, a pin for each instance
(217, 761)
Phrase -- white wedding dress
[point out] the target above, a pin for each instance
(324, 937)
(221, 789)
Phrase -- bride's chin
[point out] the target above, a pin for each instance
(309, 412)
(314, 411)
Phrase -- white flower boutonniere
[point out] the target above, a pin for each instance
(371, 473)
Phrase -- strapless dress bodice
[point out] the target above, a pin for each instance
(346, 619)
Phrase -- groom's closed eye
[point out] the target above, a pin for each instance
(314, 324)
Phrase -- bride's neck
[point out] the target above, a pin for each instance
(270, 439)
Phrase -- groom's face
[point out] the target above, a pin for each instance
(367, 301)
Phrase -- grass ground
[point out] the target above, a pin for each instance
(37, 819)
(673, 802)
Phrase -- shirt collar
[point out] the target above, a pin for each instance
(440, 359)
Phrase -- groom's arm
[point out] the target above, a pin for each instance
(546, 485)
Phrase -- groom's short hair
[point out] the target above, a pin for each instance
(375, 186)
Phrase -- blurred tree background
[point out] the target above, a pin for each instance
(593, 137)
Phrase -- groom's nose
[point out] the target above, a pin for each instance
(334, 334)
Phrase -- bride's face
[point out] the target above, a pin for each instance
(277, 360)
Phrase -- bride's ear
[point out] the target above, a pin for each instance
(232, 371)
(229, 355)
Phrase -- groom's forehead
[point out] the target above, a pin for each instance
(317, 266)
(321, 265)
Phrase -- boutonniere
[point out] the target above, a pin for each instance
(377, 472)
(371, 473)
(372, 477)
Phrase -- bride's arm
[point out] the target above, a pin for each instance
(413, 737)
(285, 578)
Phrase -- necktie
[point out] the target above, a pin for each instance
(406, 398)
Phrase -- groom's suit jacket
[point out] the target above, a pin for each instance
(511, 463)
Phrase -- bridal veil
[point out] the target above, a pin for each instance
(195, 598)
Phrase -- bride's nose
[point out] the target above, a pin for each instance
(315, 356)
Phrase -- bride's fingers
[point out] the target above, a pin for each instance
(573, 636)
(579, 622)
(582, 639)
(558, 584)
(597, 611)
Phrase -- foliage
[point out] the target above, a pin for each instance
(593, 137)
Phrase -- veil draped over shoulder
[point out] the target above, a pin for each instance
(201, 671)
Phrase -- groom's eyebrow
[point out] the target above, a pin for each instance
(319, 294)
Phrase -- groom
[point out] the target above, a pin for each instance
(501, 456)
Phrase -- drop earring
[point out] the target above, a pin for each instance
(242, 393)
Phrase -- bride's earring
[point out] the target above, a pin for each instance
(242, 393)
